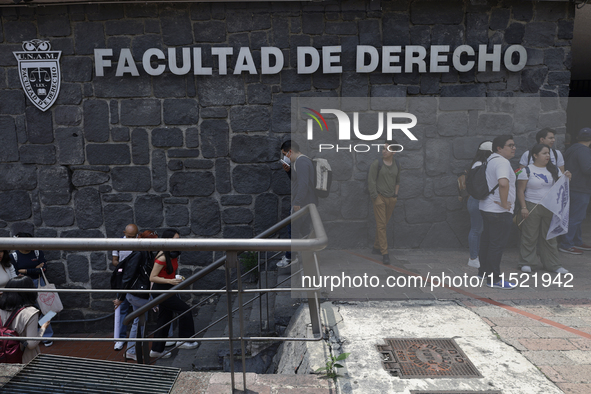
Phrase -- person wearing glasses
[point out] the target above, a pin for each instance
(497, 211)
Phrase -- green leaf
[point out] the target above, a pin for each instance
(339, 366)
(321, 369)
(342, 356)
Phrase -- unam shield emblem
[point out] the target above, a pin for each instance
(39, 72)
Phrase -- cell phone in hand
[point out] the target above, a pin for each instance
(284, 162)
(47, 318)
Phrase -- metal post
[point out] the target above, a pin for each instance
(241, 321)
(141, 349)
(230, 262)
(260, 298)
(310, 268)
(267, 325)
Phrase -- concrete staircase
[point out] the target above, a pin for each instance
(275, 309)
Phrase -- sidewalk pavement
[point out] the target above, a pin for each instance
(550, 325)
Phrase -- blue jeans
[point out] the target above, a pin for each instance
(577, 212)
(476, 226)
(124, 309)
(494, 238)
(48, 331)
(136, 303)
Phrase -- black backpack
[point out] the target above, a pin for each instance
(476, 184)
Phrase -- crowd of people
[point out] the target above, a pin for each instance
(492, 217)
(491, 220)
(145, 270)
(141, 270)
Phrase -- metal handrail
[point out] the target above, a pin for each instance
(315, 244)
(181, 244)
(317, 241)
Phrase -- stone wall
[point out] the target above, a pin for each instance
(200, 153)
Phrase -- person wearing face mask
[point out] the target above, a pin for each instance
(302, 192)
(163, 277)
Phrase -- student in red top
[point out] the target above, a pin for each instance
(163, 276)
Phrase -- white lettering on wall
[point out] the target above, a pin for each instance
(327, 60)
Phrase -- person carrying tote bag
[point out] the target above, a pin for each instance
(48, 300)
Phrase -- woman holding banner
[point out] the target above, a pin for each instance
(533, 184)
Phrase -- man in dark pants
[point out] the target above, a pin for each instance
(302, 189)
(578, 162)
(497, 212)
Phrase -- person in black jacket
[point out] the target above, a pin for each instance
(578, 162)
(136, 276)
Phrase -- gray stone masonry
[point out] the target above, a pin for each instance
(200, 153)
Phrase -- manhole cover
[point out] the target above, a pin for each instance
(426, 358)
(453, 392)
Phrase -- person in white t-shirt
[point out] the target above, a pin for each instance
(533, 183)
(497, 211)
(130, 231)
(547, 137)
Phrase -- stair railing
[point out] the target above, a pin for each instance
(317, 240)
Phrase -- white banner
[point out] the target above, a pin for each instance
(557, 200)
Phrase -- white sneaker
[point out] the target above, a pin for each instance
(154, 354)
(188, 345)
(119, 345)
(526, 268)
(130, 356)
(169, 344)
(561, 270)
(285, 262)
(475, 263)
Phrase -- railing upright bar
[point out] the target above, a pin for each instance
(241, 325)
(229, 306)
(310, 268)
(139, 350)
(268, 326)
